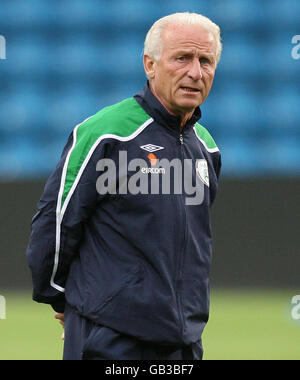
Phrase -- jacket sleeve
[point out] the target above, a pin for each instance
(69, 197)
(218, 166)
(216, 172)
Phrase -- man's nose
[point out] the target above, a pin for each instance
(195, 71)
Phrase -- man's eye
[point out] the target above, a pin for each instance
(181, 59)
(204, 60)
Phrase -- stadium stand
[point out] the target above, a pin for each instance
(68, 59)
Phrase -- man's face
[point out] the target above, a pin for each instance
(183, 76)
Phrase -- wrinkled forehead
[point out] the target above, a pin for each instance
(188, 36)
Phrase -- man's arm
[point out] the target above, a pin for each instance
(68, 200)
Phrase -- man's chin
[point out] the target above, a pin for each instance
(189, 105)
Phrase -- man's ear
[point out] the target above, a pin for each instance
(149, 66)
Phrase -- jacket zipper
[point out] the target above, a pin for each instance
(181, 253)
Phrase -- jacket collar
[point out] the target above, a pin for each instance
(158, 112)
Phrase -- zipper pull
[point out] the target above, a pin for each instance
(181, 139)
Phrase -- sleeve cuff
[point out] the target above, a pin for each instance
(59, 307)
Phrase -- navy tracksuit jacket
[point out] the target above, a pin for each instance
(135, 261)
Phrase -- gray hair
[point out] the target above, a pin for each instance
(153, 41)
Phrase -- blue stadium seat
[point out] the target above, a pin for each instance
(66, 59)
(237, 15)
(18, 159)
(282, 110)
(167, 7)
(281, 157)
(24, 109)
(29, 14)
(71, 106)
(263, 157)
(29, 56)
(126, 58)
(133, 14)
(28, 157)
(242, 55)
(235, 106)
(9, 164)
(279, 63)
(240, 156)
(77, 55)
(284, 13)
(78, 12)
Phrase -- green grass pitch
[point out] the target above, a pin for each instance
(243, 325)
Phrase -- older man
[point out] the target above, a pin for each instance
(121, 243)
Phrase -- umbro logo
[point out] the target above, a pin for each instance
(152, 148)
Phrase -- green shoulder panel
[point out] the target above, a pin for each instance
(206, 138)
(119, 120)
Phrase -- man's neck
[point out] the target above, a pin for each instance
(184, 116)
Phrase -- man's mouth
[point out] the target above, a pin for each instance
(190, 89)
